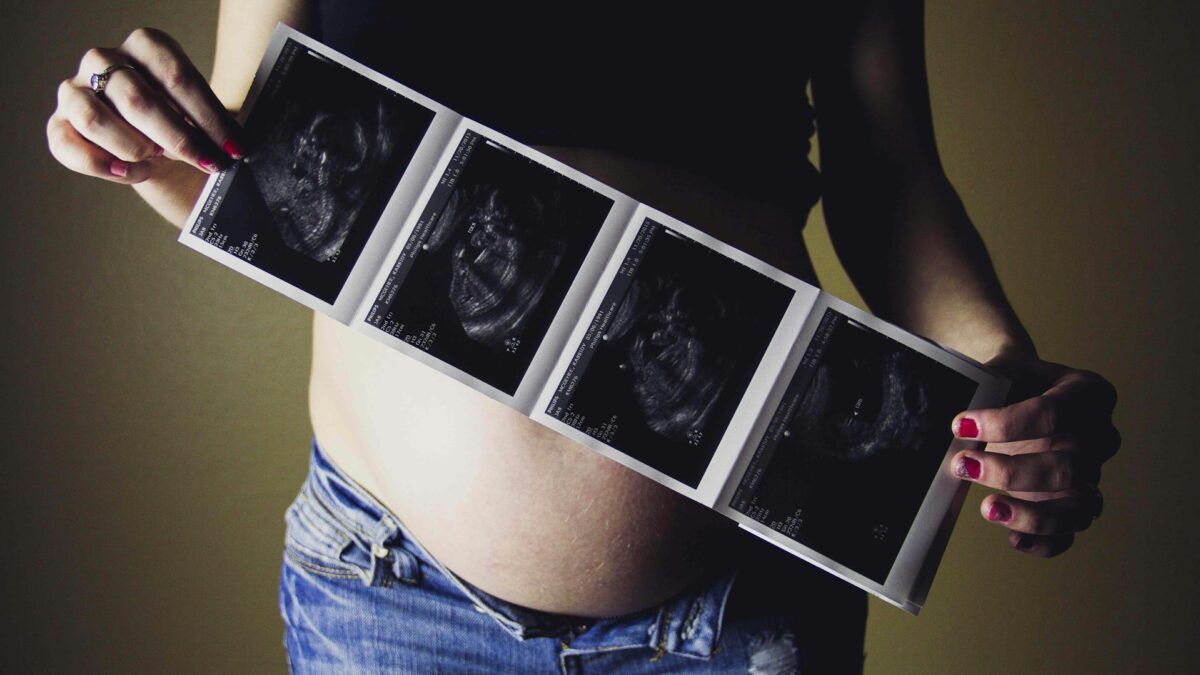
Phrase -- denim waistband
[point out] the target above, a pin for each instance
(688, 624)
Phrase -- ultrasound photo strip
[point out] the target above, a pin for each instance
(810, 423)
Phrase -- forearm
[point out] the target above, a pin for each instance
(897, 224)
(925, 267)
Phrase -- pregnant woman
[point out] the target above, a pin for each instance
(441, 531)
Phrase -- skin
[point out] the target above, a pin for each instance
(537, 519)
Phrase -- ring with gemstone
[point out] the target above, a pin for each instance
(100, 80)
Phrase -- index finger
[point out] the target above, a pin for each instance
(1037, 417)
(1081, 401)
(165, 61)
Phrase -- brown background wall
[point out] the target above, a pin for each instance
(153, 402)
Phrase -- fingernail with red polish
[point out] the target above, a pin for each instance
(207, 164)
(1000, 512)
(118, 168)
(967, 428)
(232, 149)
(1025, 542)
(967, 467)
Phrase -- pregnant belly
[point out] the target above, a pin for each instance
(514, 508)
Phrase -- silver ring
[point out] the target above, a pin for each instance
(100, 80)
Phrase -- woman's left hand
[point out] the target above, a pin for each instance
(1043, 451)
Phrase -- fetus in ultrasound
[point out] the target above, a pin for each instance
(678, 357)
(316, 168)
(504, 247)
(863, 406)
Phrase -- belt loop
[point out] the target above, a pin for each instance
(387, 556)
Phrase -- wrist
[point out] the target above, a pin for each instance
(1011, 348)
(172, 190)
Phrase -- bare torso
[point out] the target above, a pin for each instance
(512, 507)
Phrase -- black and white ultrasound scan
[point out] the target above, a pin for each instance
(488, 265)
(677, 339)
(854, 445)
(328, 147)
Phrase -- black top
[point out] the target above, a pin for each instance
(714, 94)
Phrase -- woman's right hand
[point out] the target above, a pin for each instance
(160, 110)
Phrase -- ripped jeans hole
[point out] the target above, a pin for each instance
(773, 652)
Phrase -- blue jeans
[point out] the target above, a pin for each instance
(359, 595)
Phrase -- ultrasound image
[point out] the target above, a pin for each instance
(327, 149)
(685, 330)
(854, 446)
(317, 165)
(680, 352)
(499, 244)
(504, 253)
(861, 408)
